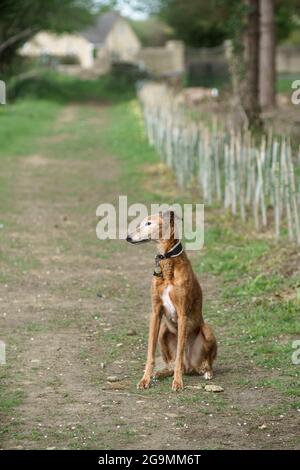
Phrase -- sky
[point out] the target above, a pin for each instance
(127, 10)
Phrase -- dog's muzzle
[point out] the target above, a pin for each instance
(136, 242)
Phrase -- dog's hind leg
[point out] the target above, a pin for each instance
(209, 352)
(203, 352)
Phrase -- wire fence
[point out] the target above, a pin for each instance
(252, 179)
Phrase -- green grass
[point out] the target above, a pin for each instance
(9, 399)
(126, 139)
(262, 323)
(51, 86)
(21, 124)
(232, 255)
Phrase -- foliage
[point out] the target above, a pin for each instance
(22, 19)
(198, 23)
(49, 85)
(201, 23)
(152, 32)
(294, 38)
(287, 17)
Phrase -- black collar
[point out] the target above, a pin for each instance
(175, 251)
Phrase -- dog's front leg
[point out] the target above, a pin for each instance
(181, 340)
(155, 320)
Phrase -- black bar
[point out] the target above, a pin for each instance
(133, 459)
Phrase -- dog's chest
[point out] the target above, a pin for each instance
(168, 304)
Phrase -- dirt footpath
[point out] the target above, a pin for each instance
(74, 313)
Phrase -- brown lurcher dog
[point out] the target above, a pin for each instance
(187, 343)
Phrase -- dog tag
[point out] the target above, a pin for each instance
(157, 269)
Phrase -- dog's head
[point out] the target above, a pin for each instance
(155, 227)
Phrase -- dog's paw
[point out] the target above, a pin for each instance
(177, 385)
(208, 375)
(144, 383)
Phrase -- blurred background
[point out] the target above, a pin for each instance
(214, 45)
(190, 39)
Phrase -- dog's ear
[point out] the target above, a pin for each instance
(169, 216)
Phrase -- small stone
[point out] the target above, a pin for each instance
(113, 378)
(102, 365)
(131, 332)
(263, 426)
(213, 388)
(172, 415)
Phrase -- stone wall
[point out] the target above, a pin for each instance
(44, 43)
(288, 59)
(161, 61)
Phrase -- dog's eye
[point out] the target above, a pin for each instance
(148, 223)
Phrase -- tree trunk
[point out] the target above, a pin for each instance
(267, 74)
(250, 93)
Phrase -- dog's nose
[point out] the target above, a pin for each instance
(128, 239)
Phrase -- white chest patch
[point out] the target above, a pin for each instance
(167, 303)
